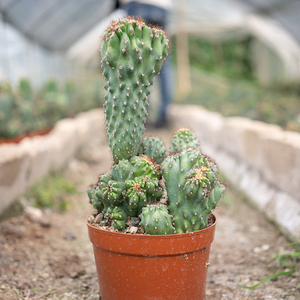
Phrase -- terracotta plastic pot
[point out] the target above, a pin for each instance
(152, 267)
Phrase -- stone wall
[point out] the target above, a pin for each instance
(261, 160)
(24, 163)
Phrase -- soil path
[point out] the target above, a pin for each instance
(57, 262)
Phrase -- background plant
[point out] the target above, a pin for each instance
(24, 109)
(286, 262)
(52, 192)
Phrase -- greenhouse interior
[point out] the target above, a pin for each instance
(150, 149)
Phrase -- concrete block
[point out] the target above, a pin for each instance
(14, 162)
(293, 138)
(231, 135)
(253, 135)
(286, 213)
(23, 164)
(63, 142)
(281, 161)
(39, 154)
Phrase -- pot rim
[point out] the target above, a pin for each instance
(152, 245)
(152, 236)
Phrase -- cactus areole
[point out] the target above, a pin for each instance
(154, 206)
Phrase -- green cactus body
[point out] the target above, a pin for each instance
(183, 138)
(140, 191)
(193, 189)
(132, 54)
(154, 148)
(112, 185)
(94, 199)
(130, 185)
(144, 166)
(136, 195)
(156, 219)
(118, 216)
(152, 189)
(202, 191)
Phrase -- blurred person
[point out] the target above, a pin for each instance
(154, 12)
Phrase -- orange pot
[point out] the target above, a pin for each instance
(156, 267)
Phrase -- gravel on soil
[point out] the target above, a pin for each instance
(57, 262)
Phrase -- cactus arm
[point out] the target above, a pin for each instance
(156, 219)
(154, 148)
(132, 54)
(192, 187)
(94, 199)
(183, 138)
(118, 216)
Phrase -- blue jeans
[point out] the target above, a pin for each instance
(156, 16)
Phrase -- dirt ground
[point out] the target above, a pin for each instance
(56, 261)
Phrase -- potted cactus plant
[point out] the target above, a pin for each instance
(167, 199)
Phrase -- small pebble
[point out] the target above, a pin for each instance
(33, 213)
(91, 218)
(45, 222)
(265, 247)
(45, 275)
(133, 230)
(99, 218)
(69, 235)
(134, 221)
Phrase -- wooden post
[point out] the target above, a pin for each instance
(183, 66)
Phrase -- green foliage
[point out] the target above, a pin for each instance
(235, 92)
(9, 125)
(132, 54)
(223, 80)
(23, 110)
(230, 59)
(240, 98)
(52, 192)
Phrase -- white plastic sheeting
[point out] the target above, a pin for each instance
(273, 22)
(87, 48)
(20, 58)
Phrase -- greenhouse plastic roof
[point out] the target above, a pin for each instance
(285, 12)
(55, 24)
